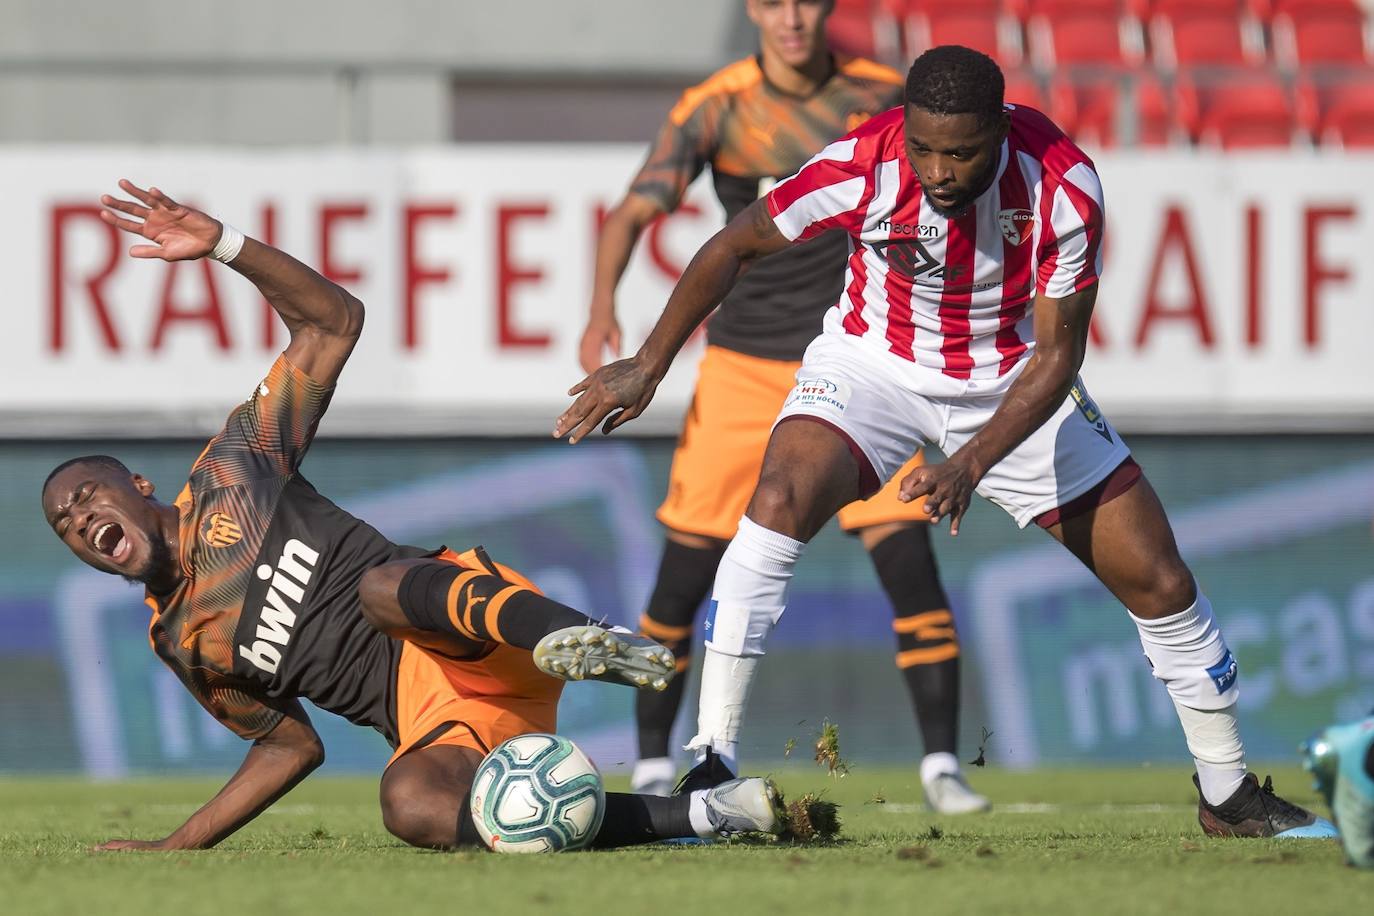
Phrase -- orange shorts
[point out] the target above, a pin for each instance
(484, 701)
(720, 451)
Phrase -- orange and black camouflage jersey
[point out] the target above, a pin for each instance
(268, 608)
(753, 134)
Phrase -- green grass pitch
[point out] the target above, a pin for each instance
(1112, 841)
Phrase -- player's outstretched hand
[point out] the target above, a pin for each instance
(602, 335)
(616, 393)
(947, 488)
(178, 232)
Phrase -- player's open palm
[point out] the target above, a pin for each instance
(178, 232)
(615, 393)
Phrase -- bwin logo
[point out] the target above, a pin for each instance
(284, 597)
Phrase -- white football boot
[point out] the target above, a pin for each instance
(948, 793)
(611, 654)
(749, 805)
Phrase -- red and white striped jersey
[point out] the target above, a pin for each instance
(954, 295)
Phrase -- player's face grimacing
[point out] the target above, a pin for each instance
(954, 155)
(108, 520)
(793, 30)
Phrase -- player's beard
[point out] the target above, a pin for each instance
(159, 560)
(983, 182)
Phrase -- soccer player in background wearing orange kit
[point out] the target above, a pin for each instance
(755, 122)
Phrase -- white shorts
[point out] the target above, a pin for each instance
(873, 400)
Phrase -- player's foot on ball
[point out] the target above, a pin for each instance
(710, 772)
(1255, 810)
(948, 793)
(1341, 757)
(593, 653)
(749, 805)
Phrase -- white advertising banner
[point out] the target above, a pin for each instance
(1238, 291)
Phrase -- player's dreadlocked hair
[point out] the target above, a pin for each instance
(952, 79)
(113, 464)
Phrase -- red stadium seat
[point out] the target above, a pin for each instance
(1054, 9)
(1320, 38)
(1204, 38)
(1023, 88)
(991, 35)
(860, 28)
(1242, 110)
(1340, 113)
(1265, 10)
(1091, 110)
(1084, 39)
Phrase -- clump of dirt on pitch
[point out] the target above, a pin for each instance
(809, 819)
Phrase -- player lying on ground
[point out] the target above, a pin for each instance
(263, 592)
(756, 122)
(976, 237)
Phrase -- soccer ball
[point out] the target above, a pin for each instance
(537, 793)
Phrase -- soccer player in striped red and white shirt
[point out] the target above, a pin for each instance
(975, 235)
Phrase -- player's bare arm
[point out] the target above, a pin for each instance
(274, 765)
(619, 235)
(324, 319)
(619, 392)
(1061, 338)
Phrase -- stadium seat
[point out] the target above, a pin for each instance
(1089, 38)
(1023, 88)
(1320, 38)
(1339, 112)
(1243, 110)
(1265, 10)
(862, 28)
(1108, 109)
(995, 36)
(1205, 38)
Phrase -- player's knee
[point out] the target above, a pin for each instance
(1169, 589)
(377, 595)
(775, 505)
(411, 818)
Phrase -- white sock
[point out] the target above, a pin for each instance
(696, 813)
(1214, 733)
(725, 684)
(651, 771)
(749, 596)
(1189, 654)
(938, 764)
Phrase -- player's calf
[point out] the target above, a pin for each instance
(476, 605)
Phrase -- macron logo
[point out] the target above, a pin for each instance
(284, 596)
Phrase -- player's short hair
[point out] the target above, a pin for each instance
(952, 79)
(104, 461)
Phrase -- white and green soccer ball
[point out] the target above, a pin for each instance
(537, 793)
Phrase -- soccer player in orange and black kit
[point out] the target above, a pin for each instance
(755, 122)
(263, 591)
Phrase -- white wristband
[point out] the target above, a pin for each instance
(229, 245)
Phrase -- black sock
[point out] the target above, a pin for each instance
(634, 819)
(479, 605)
(685, 575)
(927, 644)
